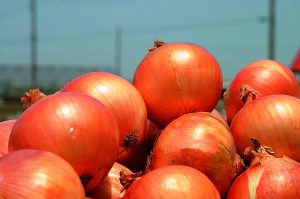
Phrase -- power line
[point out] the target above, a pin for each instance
(148, 30)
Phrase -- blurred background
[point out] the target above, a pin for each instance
(47, 43)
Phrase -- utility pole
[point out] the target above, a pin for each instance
(118, 50)
(272, 29)
(33, 43)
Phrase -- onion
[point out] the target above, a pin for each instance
(125, 102)
(74, 126)
(201, 141)
(268, 177)
(172, 182)
(38, 174)
(175, 78)
(5, 130)
(111, 186)
(266, 77)
(272, 119)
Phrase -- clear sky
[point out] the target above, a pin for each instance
(77, 32)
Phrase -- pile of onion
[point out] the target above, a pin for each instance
(74, 126)
(272, 119)
(201, 141)
(178, 78)
(38, 174)
(5, 130)
(172, 182)
(266, 77)
(267, 177)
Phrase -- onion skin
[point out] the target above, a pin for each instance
(220, 117)
(74, 126)
(38, 174)
(174, 79)
(201, 141)
(110, 187)
(267, 77)
(272, 119)
(5, 130)
(125, 102)
(172, 182)
(268, 177)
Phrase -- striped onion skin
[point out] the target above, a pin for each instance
(178, 78)
(201, 141)
(266, 77)
(270, 177)
(272, 119)
(38, 174)
(74, 126)
(172, 182)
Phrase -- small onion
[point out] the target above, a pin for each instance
(124, 101)
(171, 182)
(201, 141)
(111, 187)
(266, 77)
(38, 174)
(268, 177)
(5, 130)
(74, 126)
(272, 119)
(175, 78)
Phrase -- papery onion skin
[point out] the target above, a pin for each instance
(178, 78)
(271, 178)
(272, 119)
(172, 182)
(201, 141)
(267, 77)
(110, 187)
(125, 102)
(38, 174)
(5, 130)
(74, 126)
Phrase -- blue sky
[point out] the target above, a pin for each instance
(77, 32)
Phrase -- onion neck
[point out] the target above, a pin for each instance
(31, 97)
(247, 93)
(259, 152)
(127, 179)
(157, 43)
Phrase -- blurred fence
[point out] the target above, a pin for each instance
(16, 80)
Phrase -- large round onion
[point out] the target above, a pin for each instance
(172, 182)
(178, 78)
(74, 126)
(272, 119)
(125, 102)
(111, 187)
(266, 77)
(201, 141)
(5, 130)
(38, 174)
(268, 177)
